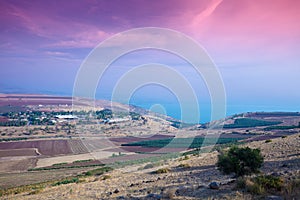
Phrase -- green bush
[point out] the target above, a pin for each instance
(270, 182)
(261, 184)
(66, 181)
(241, 161)
(268, 141)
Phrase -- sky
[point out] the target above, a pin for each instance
(254, 44)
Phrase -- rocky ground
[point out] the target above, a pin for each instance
(191, 178)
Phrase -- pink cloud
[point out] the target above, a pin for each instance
(246, 28)
(196, 22)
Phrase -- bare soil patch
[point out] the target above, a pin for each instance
(19, 152)
(45, 147)
(16, 164)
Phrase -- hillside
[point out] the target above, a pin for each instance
(186, 178)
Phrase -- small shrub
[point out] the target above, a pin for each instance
(162, 171)
(260, 185)
(249, 185)
(241, 161)
(284, 136)
(270, 182)
(268, 141)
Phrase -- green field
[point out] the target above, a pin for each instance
(248, 122)
(182, 142)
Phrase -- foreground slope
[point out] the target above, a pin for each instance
(186, 178)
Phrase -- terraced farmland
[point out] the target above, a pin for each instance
(77, 147)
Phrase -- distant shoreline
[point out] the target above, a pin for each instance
(20, 99)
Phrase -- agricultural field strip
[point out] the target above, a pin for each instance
(19, 152)
(45, 147)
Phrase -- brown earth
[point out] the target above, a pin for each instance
(282, 156)
(19, 152)
(19, 164)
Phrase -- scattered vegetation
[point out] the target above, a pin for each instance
(63, 166)
(120, 164)
(241, 161)
(66, 181)
(98, 171)
(32, 189)
(38, 187)
(268, 141)
(261, 184)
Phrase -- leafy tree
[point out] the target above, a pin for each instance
(241, 161)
